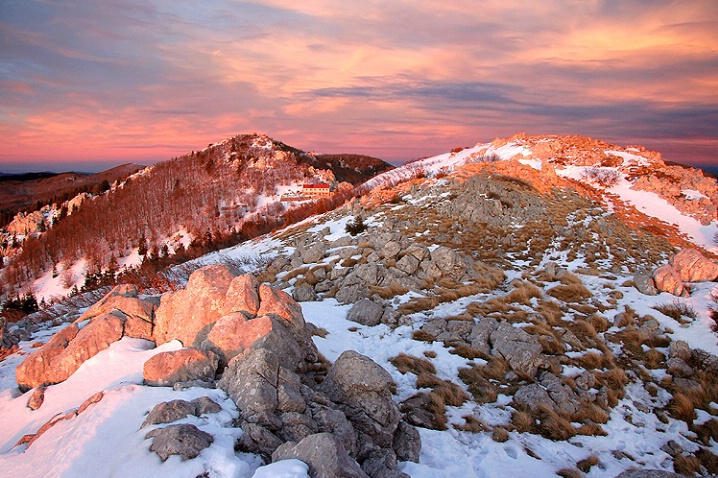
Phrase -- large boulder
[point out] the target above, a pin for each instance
(232, 335)
(324, 454)
(242, 295)
(187, 315)
(62, 355)
(667, 279)
(366, 312)
(520, 349)
(277, 302)
(167, 368)
(33, 371)
(692, 266)
(364, 390)
(644, 283)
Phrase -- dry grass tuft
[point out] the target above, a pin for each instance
(471, 424)
(570, 293)
(389, 291)
(586, 464)
(591, 430)
(706, 431)
(418, 304)
(551, 312)
(708, 460)
(590, 413)
(569, 473)
(599, 323)
(430, 354)
(467, 352)
(480, 388)
(407, 363)
(553, 425)
(678, 311)
(654, 359)
(523, 421)
(686, 465)
(500, 435)
(681, 407)
(522, 293)
(450, 393)
(437, 408)
(422, 336)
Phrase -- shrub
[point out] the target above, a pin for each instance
(356, 226)
(677, 310)
(605, 177)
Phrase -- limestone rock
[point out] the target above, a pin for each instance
(188, 314)
(366, 312)
(225, 338)
(324, 454)
(185, 440)
(692, 266)
(33, 371)
(242, 295)
(407, 442)
(644, 283)
(364, 388)
(273, 301)
(521, 350)
(36, 398)
(667, 279)
(167, 368)
(304, 293)
(168, 412)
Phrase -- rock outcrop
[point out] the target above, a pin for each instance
(689, 265)
(168, 368)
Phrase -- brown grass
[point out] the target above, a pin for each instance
(422, 336)
(551, 312)
(419, 304)
(681, 407)
(654, 359)
(590, 413)
(686, 465)
(587, 463)
(430, 354)
(569, 293)
(480, 388)
(471, 424)
(523, 421)
(500, 434)
(451, 394)
(599, 323)
(551, 346)
(553, 425)
(522, 293)
(569, 473)
(389, 291)
(467, 352)
(706, 431)
(407, 363)
(591, 430)
(707, 460)
(437, 408)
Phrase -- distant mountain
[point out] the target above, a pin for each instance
(227, 192)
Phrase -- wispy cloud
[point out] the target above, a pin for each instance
(128, 80)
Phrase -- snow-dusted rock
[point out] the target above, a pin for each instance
(183, 439)
(324, 454)
(168, 412)
(167, 368)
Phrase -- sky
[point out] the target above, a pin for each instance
(84, 85)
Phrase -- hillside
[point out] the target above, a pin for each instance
(225, 193)
(32, 191)
(527, 307)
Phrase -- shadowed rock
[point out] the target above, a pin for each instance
(324, 454)
(185, 440)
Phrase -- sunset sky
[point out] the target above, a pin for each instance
(94, 84)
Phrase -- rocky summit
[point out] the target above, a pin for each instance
(529, 307)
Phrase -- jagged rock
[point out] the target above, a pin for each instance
(480, 334)
(644, 283)
(33, 371)
(668, 280)
(273, 301)
(168, 412)
(335, 422)
(705, 360)
(561, 395)
(678, 366)
(390, 250)
(185, 440)
(352, 294)
(408, 264)
(407, 442)
(229, 336)
(680, 349)
(36, 398)
(521, 350)
(364, 389)
(188, 314)
(138, 314)
(366, 312)
(532, 396)
(382, 464)
(167, 368)
(297, 426)
(692, 266)
(242, 295)
(205, 406)
(257, 439)
(314, 253)
(304, 293)
(324, 454)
